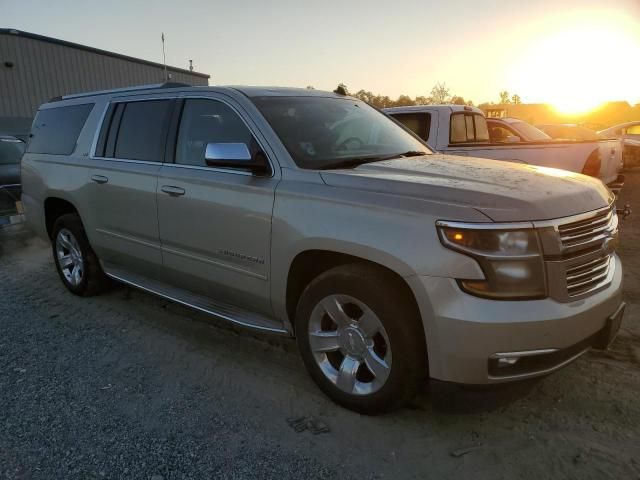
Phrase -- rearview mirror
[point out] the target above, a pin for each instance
(234, 155)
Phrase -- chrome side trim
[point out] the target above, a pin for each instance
(211, 261)
(208, 310)
(538, 373)
(232, 171)
(486, 226)
(128, 238)
(127, 160)
(524, 353)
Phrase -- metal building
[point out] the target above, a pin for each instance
(35, 68)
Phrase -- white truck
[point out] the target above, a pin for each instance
(462, 130)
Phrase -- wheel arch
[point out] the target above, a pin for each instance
(54, 208)
(309, 264)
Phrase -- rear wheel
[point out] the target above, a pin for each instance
(361, 339)
(75, 260)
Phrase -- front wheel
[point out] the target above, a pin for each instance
(361, 339)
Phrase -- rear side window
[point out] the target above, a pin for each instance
(55, 130)
(468, 127)
(142, 132)
(418, 123)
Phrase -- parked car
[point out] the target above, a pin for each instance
(306, 213)
(629, 134)
(11, 150)
(463, 131)
(514, 130)
(567, 131)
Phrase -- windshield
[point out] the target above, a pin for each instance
(322, 131)
(531, 133)
(11, 151)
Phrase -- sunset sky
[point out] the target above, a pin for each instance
(573, 54)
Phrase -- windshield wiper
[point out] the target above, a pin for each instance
(351, 162)
(355, 162)
(410, 153)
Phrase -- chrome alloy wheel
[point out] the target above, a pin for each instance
(69, 257)
(350, 344)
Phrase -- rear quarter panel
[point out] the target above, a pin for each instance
(60, 176)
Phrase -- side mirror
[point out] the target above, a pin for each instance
(513, 139)
(234, 155)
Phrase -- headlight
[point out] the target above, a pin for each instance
(510, 259)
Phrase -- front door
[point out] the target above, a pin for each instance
(215, 224)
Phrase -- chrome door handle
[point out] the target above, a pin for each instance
(173, 191)
(99, 179)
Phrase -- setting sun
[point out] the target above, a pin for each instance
(579, 61)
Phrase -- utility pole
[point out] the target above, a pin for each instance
(164, 60)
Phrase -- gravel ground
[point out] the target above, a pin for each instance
(126, 385)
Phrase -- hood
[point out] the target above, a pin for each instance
(503, 191)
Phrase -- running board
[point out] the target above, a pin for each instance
(225, 311)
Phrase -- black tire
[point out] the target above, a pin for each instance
(93, 279)
(395, 308)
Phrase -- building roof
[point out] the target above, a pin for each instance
(42, 38)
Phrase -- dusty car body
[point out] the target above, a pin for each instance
(311, 214)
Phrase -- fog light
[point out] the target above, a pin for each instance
(507, 361)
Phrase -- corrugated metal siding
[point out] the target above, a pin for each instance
(43, 70)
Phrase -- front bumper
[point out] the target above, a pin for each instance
(464, 333)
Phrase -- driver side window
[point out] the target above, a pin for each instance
(209, 121)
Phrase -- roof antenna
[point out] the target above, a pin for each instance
(164, 60)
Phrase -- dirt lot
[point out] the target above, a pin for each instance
(126, 385)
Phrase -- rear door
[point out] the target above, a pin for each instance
(127, 159)
(215, 223)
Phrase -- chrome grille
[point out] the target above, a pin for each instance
(588, 276)
(579, 253)
(585, 233)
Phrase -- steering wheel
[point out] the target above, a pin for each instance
(345, 142)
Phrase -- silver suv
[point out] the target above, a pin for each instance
(308, 213)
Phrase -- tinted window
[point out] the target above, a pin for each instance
(418, 123)
(532, 133)
(209, 121)
(142, 131)
(55, 130)
(10, 151)
(320, 131)
(499, 133)
(468, 127)
(458, 129)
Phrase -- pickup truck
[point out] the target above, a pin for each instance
(629, 134)
(311, 214)
(463, 131)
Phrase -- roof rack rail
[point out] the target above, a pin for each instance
(121, 90)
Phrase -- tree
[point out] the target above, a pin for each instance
(504, 97)
(404, 101)
(422, 100)
(440, 93)
(310, 87)
(456, 100)
(515, 99)
(341, 89)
